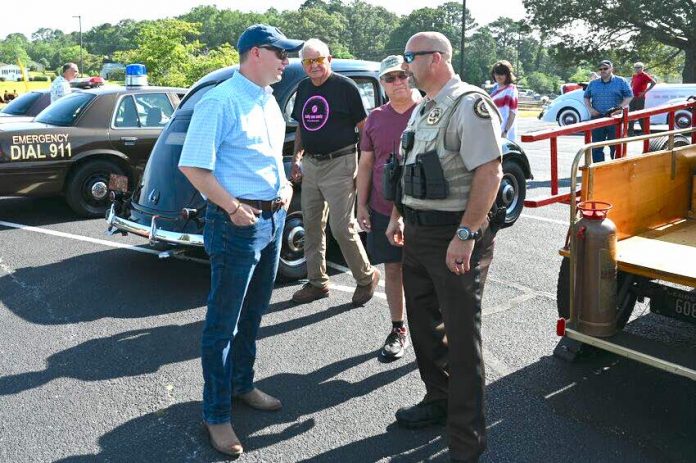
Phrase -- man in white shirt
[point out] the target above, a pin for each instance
(61, 85)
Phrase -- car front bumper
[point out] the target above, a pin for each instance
(152, 233)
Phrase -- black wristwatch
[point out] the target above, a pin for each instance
(465, 233)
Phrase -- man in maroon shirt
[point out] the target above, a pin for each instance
(641, 83)
(380, 138)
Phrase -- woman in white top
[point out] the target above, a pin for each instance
(505, 97)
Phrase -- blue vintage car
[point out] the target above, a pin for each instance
(165, 208)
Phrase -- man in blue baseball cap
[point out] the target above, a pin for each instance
(233, 155)
(264, 36)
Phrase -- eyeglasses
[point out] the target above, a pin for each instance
(409, 56)
(603, 69)
(309, 61)
(279, 52)
(391, 78)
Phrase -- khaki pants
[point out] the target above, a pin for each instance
(444, 318)
(330, 186)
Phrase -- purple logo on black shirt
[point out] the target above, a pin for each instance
(315, 113)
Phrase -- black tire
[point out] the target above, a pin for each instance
(293, 265)
(86, 189)
(625, 307)
(512, 191)
(661, 143)
(567, 116)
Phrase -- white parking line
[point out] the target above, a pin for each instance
(71, 236)
(129, 247)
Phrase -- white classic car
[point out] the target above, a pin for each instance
(569, 108)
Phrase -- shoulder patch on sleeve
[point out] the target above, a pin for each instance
(481, 108)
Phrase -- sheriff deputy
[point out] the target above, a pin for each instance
(450, 179)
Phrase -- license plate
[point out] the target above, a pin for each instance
(674, 303)
(118, 183)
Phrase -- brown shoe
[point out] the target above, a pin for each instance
(309, 293)
(224, 440)
(259, 400)
(364, 293)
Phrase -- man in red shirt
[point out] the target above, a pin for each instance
(641, 83)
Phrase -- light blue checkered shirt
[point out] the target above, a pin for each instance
(237, 131)
(607, 95)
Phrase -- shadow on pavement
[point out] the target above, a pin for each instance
(86, 288)
(131, 353)
(37, 211)
(602, 410)
(176, 434)
(138, 352)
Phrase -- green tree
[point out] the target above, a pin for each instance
(600, 26)
(171, 58)
(446, 19)
(331, 28)
(542, 83)
(14, 48)
(369, 29)
(106, 39)
(223, 56)
(479, 56)
(162, 48)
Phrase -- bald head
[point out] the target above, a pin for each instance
(428, 61)
(431, 40)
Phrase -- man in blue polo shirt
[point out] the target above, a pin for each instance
(233, 155)
(601, 95)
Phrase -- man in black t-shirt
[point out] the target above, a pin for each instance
(329, 110)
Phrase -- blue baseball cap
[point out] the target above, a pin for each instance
(263, 34)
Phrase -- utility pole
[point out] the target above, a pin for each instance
(461, 51)
(79, 19)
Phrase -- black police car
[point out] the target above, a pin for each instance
(74, 145)
(165, 208)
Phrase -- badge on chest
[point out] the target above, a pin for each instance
(434, 116)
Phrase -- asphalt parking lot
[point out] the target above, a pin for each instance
(99, 358)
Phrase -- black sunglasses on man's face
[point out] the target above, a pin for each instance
(409, 56)
(279, 52)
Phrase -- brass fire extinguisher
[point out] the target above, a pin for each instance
(595, 270)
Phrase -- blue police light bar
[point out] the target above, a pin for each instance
(136, 75)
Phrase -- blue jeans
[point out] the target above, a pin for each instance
(243, 266)
(603, 134)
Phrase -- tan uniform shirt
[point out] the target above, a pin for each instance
(466, 135)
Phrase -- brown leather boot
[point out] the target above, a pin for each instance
(309, 293)
(364, 293)
(224, 440)
(259, 400)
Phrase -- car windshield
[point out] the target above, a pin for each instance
(20, 105)
(66, 110)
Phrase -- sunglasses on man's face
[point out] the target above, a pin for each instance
(391, 78)
(310, 61)
(409, 56)
(279, 52)
(603, 69)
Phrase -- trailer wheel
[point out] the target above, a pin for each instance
(661, 143)
(624, 306)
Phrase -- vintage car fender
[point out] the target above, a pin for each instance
(567, 109)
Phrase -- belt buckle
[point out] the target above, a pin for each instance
(276, 204)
